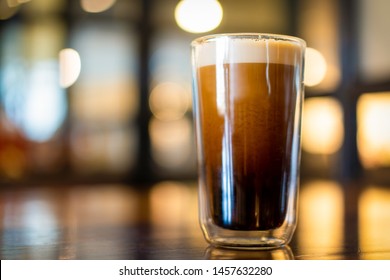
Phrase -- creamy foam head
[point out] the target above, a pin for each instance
(245, 49)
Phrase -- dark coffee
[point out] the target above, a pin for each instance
(247, 121)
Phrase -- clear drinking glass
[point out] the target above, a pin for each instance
(248, 94)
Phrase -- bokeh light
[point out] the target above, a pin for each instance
(171, 142)
(373, 137)
(70, 66)
(96, 6)
(41, 110)
(315, 67)
(95, 149)
(169, 101)
(197, 16)
(322, 125)
(45, 105)
(173, 205)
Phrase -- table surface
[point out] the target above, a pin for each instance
(116, 221)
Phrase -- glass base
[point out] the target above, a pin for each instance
(248, 240)
(222, 253)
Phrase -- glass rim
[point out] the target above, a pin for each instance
(248, 35)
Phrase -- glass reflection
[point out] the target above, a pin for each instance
(215, 253)
(374, 221)
(321, 210)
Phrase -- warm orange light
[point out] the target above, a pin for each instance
(97, 6)
(13, 162)
(169, 101)
(111, 101)
(197, 16)
(70, 67)
(173, 205)
(315, 67)
(171, 142)
(322, 125)
(321, 212)
(373, 138)
(374, 221)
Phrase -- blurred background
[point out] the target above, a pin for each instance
(100, 90)
(98, 93)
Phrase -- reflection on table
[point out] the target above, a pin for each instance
(117, 221)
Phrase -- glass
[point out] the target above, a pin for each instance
(248, 92)
(216, 253)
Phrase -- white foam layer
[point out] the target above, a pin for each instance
(237, 50)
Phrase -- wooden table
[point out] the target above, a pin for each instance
(115, 221)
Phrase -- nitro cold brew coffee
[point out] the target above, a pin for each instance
(248, 92)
